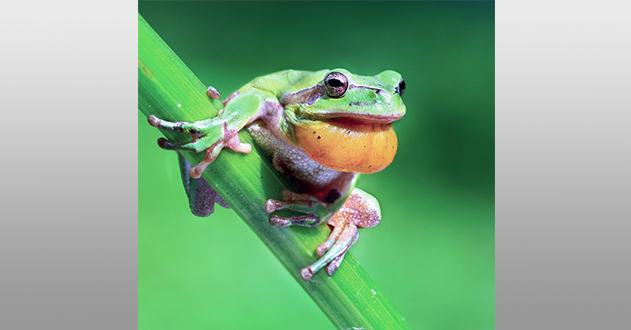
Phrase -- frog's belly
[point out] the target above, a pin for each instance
(306, 173)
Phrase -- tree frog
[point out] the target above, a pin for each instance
(321, 129)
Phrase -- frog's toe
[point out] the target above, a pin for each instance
(278, 221)
(213, 93)
(235, 144)
(196, 129)
(332, 239)
(306, 273)
(302, 203)
(299, 220)
(211, 154)
(334, 265)
(332, 251)
(165, 144)
(154, 121)
(198, 144)
(272, 205)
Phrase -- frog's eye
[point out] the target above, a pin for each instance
(335, 84)
(401, 88)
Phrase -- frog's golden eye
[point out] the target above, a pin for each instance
(335, 84)
(401, 88)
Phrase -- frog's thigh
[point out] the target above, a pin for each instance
(360, 209)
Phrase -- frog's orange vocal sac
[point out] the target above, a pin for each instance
(321, 129)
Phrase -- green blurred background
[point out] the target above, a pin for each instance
(433, 252)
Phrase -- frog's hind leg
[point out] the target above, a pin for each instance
(360, 210)
(201, 196)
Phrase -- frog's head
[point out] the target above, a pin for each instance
(344, 121)
(340, 94)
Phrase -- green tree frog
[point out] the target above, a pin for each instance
(321, 129)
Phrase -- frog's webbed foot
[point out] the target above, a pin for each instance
(210, 135)
(360, 210)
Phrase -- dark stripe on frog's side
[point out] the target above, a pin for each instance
(310, 95)
(304, 96)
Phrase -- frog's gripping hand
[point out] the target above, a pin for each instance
(360, 210)
(210, 135)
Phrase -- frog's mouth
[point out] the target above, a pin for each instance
(364, 144)
(360, 119)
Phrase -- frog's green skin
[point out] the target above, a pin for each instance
(268, 107)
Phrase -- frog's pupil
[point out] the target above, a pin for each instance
(335, 83)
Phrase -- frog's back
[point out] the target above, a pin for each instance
(286, 81)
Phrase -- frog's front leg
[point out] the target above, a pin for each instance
(210, 135)
(360, 210)
(213, 134)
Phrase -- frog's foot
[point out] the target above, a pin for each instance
(207, 135)
(303, 203)
(360, 210)
(332, 251)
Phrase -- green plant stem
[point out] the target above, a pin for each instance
(169, 90)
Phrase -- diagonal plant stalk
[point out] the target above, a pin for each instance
(169, 90)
